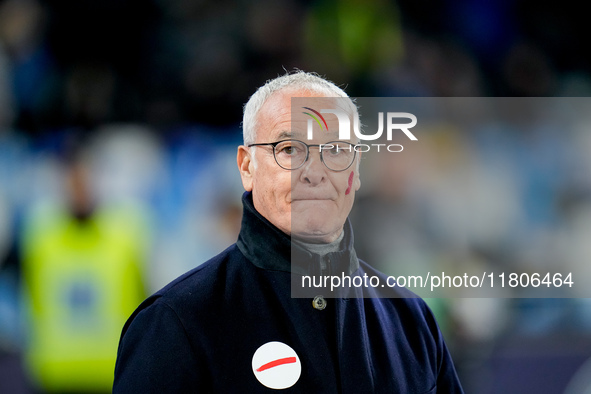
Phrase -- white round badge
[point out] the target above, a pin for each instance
(276, 365)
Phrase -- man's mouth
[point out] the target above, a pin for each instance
(300, 199)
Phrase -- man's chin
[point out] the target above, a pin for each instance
(314, 232)
(315, 221)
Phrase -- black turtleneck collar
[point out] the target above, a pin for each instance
(269, 248)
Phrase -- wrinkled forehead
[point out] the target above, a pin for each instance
(300, 114)
(321, 117)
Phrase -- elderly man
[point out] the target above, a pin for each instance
(231, 325)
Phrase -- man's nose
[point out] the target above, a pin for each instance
(313, 171)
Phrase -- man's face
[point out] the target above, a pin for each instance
(312, 202)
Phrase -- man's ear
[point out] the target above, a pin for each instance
(245, 166)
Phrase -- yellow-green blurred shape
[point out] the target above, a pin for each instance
(352, 37)
(82, 280)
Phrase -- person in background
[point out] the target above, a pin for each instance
(82, 274)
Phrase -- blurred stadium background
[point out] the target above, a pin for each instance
(119, 121)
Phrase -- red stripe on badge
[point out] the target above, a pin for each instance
(281, 361)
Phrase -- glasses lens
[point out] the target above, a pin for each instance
(338, 156)
(290, 154)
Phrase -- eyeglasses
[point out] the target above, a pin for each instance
(292, 154)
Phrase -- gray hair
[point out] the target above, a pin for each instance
(297, 80)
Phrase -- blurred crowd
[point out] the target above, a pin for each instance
(123, 116)
(170, 62)
(507, 193)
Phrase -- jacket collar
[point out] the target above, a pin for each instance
(269, 248)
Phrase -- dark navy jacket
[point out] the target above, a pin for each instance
(199, 333)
